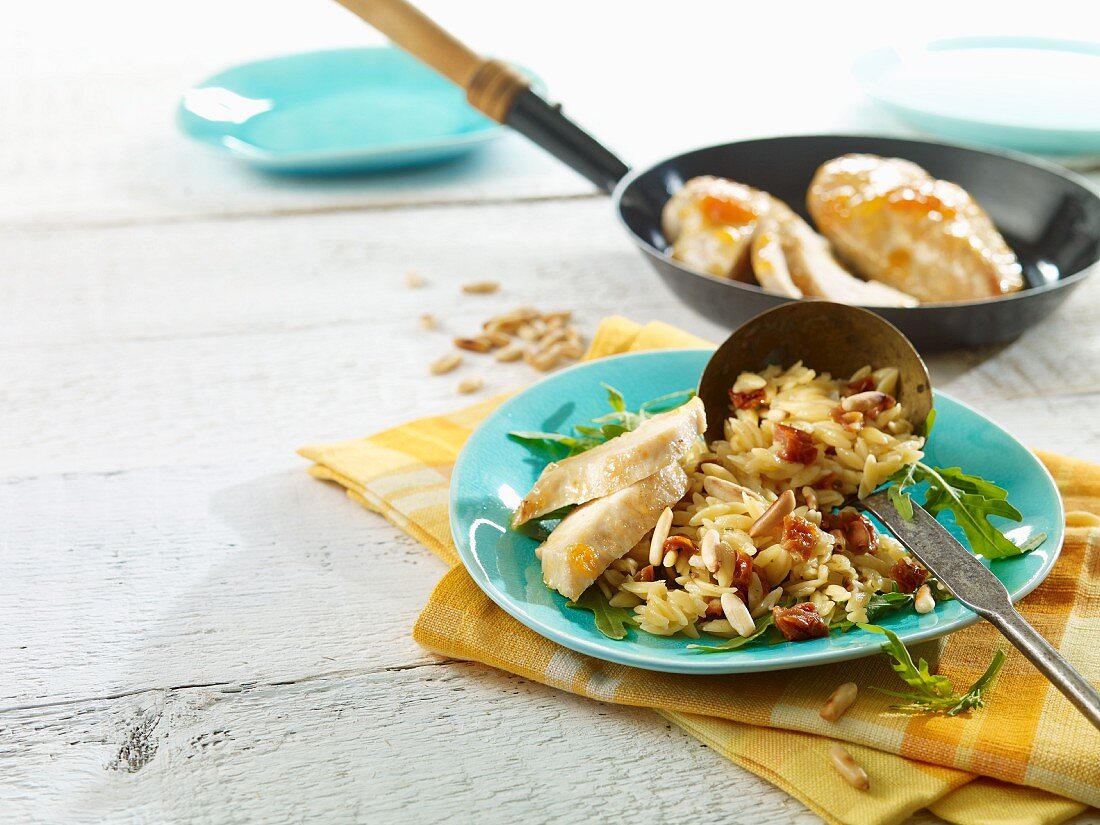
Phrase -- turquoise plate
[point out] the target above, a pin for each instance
(1033, 94)
(494, 472)
(349, 110)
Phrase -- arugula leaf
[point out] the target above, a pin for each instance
(610, 621)
(975, 697)
(878, 604)
(929, 422)
(762, 625)
(931, 693)
(602, 428)
(971, 499)
(614, 398)
(571, 443)
(664, 403)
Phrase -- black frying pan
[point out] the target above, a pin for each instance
(1050, 217)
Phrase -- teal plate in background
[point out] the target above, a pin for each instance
(348, 110)
(1032, 94)
(493, 473)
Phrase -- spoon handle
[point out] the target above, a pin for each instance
(494, 87)
(1049, 662)
(972, 583)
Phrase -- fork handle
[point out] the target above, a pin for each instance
(1047, 660)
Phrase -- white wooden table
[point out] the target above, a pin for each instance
(191, 629)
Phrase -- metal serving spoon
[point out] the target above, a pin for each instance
(836, 338)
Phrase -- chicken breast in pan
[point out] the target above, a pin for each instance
(891, 221)
(615, 464)
(813, 269)
(710, 223)
(595, 534)
(733, 231)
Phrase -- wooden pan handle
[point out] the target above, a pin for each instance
(490, 85)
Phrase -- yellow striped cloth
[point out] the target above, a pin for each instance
(1028, 757)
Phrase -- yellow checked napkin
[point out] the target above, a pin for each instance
(1027, 757)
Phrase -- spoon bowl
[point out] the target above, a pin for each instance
(827, 337)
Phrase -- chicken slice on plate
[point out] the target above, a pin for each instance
(595, 534)
(615, 464)
(769, 264)
(814, 270)
(891, 221)
(710, 223)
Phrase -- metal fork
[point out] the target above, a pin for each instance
(971, 582)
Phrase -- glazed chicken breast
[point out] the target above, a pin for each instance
(710, 223)
(595, 534)
(813, 269)
(891, 221)
(733, 231)
(662, 440)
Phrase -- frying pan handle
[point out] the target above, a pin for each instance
(493, 87)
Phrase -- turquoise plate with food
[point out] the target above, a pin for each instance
(744, 581)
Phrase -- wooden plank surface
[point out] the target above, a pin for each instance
(191, 629)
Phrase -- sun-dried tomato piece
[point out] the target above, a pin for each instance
(848, 420)
(742, 573)
(864, 384)
(908, 574)
(747, 400)
(827, 481)
(800, 622)
(714, 610)
(795, 445)
(645, 574)
(799, 535)
(681, 544)
(859, 534)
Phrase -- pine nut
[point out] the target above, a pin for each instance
(670, 558)
(848, 768)
(771, 518)
(738, 615)
(481, 287)
(478, 344)
(526, 332)
(428, 321)
(497, 338)
(725, 490)
(512, 352)
(775, 415)
(709, 550)
(660, 533)
(863, 401)
(413, 279)
(923, 602)
(838, 702)
(445, 364)
(469, 385)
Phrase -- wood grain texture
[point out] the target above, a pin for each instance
(365, 748)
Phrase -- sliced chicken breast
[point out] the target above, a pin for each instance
(710, 222)
(814, 270)
(615, 464)
(769, 264)
(891, 221)
(595, 534)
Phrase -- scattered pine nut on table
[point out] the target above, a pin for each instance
(849, 768)
(839, 701)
